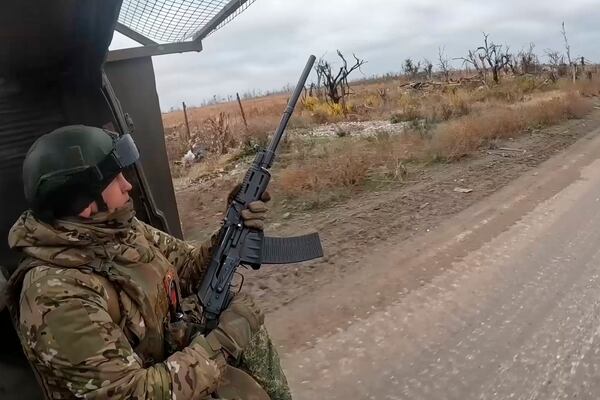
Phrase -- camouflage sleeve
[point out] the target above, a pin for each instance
(191, 262)
(73, 342)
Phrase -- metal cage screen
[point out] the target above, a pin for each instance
(169, 21)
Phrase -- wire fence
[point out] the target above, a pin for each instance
(174, 20)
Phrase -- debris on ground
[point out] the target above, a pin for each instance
(462, 190)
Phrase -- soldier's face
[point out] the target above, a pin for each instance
(115, 195)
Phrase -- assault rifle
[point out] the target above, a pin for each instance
(238, 245)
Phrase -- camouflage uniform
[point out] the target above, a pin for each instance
(92, 304)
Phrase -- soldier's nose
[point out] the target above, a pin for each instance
(125, 185)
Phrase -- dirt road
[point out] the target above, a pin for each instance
(506, 304)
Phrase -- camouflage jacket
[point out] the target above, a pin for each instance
(84, 344)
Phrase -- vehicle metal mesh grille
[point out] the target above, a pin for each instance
(174, 20)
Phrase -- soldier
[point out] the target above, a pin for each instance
(105, 304)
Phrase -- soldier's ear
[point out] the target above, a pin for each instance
(88, 211)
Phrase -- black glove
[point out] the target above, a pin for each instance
(237, 325)
(253, 216)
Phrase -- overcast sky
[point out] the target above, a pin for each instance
(266, 46)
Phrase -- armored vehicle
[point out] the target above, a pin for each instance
(55, 70)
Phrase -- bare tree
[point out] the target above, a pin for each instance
(513, 64)
(556, 62)
(572, 64)
(427, 68)
(563, 32)
(336, 86)
(490, 55)
(476, 61)
(555, 58)
(494, 55)
(444, 63)
(410, 68)
(524, 62)
(528, 60)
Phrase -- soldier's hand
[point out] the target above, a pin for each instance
(213, 348)
(238, 324)
(253, 216)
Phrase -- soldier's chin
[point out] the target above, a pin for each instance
(125, 203)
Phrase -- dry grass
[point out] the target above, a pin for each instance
(346, 163)
(450, 122)
(390, 99)
(434, 107)
(270, 105)
(585, 87)
(513, 89)
(348, 167)
(455, 139)
(316, 171)
(220, 127)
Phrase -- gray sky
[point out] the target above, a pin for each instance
(266, 47)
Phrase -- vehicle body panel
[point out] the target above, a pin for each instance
(51, 74)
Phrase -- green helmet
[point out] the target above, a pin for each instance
(68, 168)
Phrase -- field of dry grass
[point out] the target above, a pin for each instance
(435, 123)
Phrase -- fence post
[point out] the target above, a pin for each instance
(242, 110)
(187, 124)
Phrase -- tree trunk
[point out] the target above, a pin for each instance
(495, 75)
